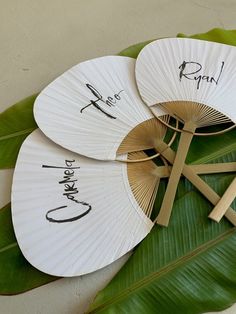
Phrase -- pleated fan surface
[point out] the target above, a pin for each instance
(91, 108)
(73, 215)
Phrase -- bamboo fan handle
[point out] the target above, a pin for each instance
(168, 200)
(214, 168)
(208, 192)
(166, 165)
(225, 201)
(164, 171)
(201, 185)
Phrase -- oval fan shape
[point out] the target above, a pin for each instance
(91, 108)
(72, 215)
(189, 70)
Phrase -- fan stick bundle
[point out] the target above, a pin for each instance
(158, 127)
(144, 179)
(200, 184)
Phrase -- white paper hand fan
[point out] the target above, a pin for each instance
(73, 215)
(195, 82)
(94, 109)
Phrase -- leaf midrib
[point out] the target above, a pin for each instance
(8, 247)
(168, 268)
(15, 134)
(219, 153)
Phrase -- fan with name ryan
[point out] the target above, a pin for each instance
(193, 81)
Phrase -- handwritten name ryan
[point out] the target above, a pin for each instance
(70, 192)
(190, 71)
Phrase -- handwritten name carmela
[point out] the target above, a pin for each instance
(70, 191)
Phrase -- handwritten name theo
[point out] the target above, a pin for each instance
(99, 102)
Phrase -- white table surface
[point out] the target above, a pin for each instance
(41, 39)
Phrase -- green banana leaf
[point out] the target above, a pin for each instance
(16, 123)
(16, 274)
(188, 267)
(219, 35)
(193, 253)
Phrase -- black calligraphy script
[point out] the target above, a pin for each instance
(190, 71)
(99, 102)
(70, 191)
